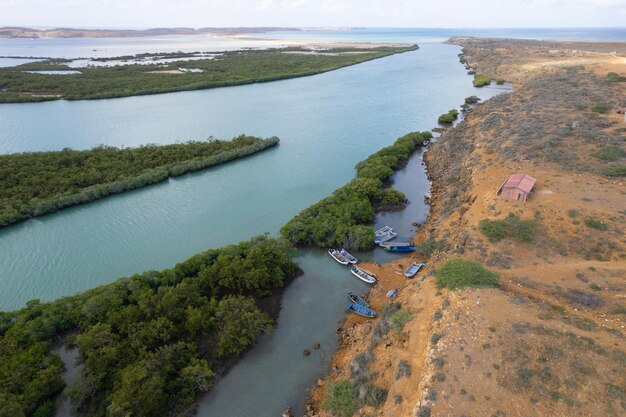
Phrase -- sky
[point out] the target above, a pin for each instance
(313, 13)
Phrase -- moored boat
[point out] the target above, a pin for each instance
(388, 235)
(413, 269)
(348, 256)
(398, 246)
(383, 230)
(338, 256)
(356, 299)
(360, 310)
(363, 275)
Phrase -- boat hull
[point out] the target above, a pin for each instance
(360, 310)
(363, 276)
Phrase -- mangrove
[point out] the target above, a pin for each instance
(150, 343)
(20, 84)
(36, 183)
(345, 218)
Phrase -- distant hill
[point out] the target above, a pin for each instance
(23, 32)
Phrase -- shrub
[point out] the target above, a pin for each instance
(472, 100)
(460, 273)
(512, 226)
(601, 108)
(618, 171)
(610, 153)
(572, 213)
(399, 319)
(403, 370)
(615, 77)
(500, 81)
(374, 395)
(448, 117)
(340, 399)
(481, 80)
(595, 224)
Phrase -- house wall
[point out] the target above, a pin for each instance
(513, 194)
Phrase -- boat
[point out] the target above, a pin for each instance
(384, 236)
(347, 255)
(413, 269)
(392, 293)
(398, 246)
(383, 230)
(338, 256)
(360, 310)
(356, 299)
(363, 275)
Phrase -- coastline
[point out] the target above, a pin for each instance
(452, 341)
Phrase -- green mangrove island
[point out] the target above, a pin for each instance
(345, 218)
(36, 183)
(149, 344)
(21, 84)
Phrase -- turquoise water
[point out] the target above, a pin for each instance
(326, 123)
(419, 35)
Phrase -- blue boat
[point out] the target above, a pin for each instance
(356, 299)
(398, 246)
(360, 310)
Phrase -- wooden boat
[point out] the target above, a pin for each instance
(392, 293)
(398, 246)
(338, 256)
(413, 269)
(363, 275)
(360, 310)
(383, 231)
(356, 299)
(383, 237)
(347, 255)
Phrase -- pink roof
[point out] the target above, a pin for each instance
(522, 182)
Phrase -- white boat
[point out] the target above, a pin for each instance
(347, 255)
(388, 235)
(413, 269)
(336, 254)
(383, 230)
(363, 275)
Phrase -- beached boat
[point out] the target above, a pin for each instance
(413, 269)
(347, 255)
(392, 293)
(363, 311)
(363, 275)
(398, 246)
(356, 299)
(336, 254)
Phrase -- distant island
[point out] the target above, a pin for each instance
(24, 32)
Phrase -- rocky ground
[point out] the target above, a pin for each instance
(551, 340)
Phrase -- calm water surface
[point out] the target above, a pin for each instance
(326, 123)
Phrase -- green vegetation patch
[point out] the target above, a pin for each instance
(472, 100)
(617, 171)
(615, 77)
(343, 219)
(448, 117)
(225, 69)
(601, 108)
(610, 153)
(461, 273)
(36, 183)
(340, 400)
(399, 319)
(500, 81)
(511, 227)
(149, 343)
(595, 224)
(481, 80)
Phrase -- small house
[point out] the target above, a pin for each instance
(517, 187)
